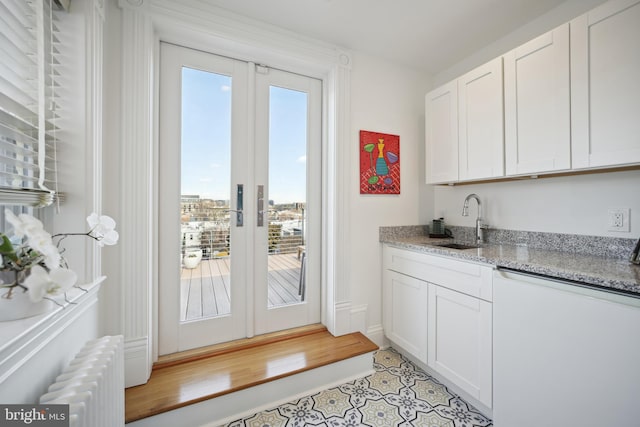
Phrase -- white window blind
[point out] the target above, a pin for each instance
(28, 81)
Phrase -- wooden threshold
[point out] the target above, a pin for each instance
(227, 347)
(176, 383)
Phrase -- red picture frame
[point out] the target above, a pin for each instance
(379, 163)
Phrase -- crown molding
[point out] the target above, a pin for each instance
(210, 28)
(99, 7)
(132, 4)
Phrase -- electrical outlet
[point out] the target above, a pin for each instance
(618, 219)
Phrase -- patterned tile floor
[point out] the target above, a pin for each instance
(397, 394)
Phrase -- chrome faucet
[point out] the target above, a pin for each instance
(480, 227)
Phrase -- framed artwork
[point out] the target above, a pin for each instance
(379, 163)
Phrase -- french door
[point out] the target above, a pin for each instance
(239, 199)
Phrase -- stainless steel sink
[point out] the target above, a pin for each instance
(458, 246)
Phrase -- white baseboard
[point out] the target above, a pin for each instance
(342, 314)
(137, 365)
(353, 318)
(358, 318)
(376, 334)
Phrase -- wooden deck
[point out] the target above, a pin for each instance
(205, 290)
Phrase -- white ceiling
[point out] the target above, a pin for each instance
(430, 35)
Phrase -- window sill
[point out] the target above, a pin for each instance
(21, 338)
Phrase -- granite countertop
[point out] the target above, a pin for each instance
(606, 271)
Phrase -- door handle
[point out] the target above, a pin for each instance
(260, 206)
(239, 206)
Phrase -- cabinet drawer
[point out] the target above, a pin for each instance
(462, 276)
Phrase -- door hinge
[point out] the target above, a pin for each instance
(262, 69)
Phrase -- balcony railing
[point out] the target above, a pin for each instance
(215, 242)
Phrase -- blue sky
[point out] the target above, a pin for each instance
(206, 138)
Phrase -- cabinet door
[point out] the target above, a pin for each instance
(481, 122)
(405, 312)
(460, 341)
(441, 134)
(536, 88)
(605, 85)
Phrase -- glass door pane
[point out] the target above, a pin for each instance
(202, 160)
(205, 282)
(287, 195)
(219, 134)
(288, 162)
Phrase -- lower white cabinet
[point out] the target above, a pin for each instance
(405, 312)
(439, 310)
(459, 340)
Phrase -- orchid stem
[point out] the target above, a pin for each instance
(56, 302)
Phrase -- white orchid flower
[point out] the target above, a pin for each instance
(24, 225)
(103, 229)
(52, 257)
(109, 238)
(41, 242)
(41, 284)
(37, 238)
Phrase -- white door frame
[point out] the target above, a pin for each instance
(249, 167)
(198, 25)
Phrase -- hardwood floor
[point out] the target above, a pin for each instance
(199, 376)
(205, 290)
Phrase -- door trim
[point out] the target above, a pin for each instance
(142, 26)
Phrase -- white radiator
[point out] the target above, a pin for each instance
(93, 385)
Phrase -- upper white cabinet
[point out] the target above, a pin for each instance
(605, 85)
(537, 105)
(480, 123)
(571, 102)
(464, 127)
(441, 108)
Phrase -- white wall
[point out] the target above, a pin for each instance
(390, 99)
(576, 205)
(546, 22)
